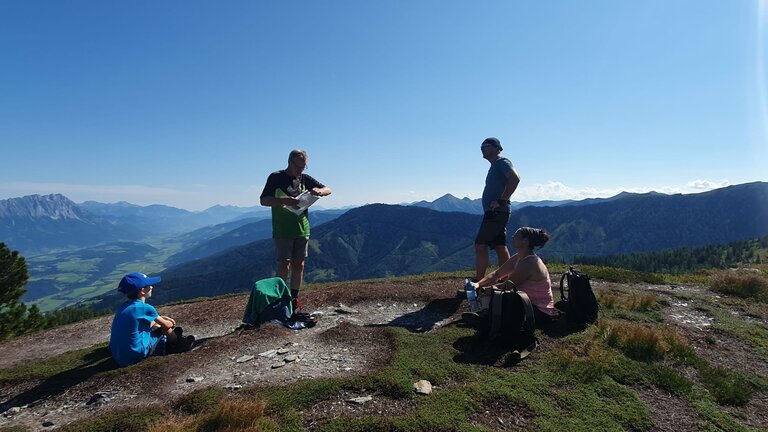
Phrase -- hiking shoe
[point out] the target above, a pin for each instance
(182, 345)
(512, 358)
(298, 314)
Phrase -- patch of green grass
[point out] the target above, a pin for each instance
(713, 418)
(15, 428)
(618, 303)
(135, 419)
(200, 400)
(753, 333)
(73, 365)
(421, 356)
(84, 362)
(667, 379)
(725, 386)
(568, 392)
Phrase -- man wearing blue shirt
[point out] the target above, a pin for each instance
(500, 183)
(138, 331)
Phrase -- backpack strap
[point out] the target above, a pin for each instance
(529, 326)
(562, 293)
(496, 310)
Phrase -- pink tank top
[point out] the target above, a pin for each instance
(540, 293)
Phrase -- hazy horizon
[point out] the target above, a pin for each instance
(692, 188)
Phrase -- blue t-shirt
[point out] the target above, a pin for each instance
(495, 182)
(130, 341)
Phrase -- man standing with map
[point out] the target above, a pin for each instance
(290, 224)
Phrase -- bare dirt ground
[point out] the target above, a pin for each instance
(343, 343)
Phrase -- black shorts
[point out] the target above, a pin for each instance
(493, 229)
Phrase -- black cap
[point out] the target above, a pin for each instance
(494, 142)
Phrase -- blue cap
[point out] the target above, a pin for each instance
(133, 282)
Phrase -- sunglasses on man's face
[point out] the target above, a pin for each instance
(299, 166)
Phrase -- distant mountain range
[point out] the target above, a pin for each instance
(86, 242)
(449, 203)
(37, 224)
(236, 233)
(382, 240)
(154, 219)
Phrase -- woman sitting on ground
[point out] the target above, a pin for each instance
(527, 272)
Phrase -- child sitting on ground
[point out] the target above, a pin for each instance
(138, 331)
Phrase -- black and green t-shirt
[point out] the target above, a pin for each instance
(285, 223)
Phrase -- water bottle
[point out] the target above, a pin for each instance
(474, 306)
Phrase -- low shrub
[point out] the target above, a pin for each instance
(132, 419)
(588, 362)
(640, 302)
(726, 387)
(235, 415)
(741, 283)
(641, 342)
(174, 423)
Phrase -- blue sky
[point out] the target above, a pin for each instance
(192, 103)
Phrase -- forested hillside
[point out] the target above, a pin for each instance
(685, 260)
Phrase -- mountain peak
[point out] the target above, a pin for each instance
(53, 206)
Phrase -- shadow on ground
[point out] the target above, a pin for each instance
(427, 318)
(96, 362)
(479, 349)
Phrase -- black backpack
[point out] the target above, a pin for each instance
(580, 306)
(511, 322)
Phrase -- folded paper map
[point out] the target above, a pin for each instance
(306, 199)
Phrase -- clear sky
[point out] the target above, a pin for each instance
(194, 103)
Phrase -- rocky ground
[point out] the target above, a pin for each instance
(348, 339)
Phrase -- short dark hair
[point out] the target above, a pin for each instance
(298, 154)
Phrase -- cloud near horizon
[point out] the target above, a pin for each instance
(556, 191)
